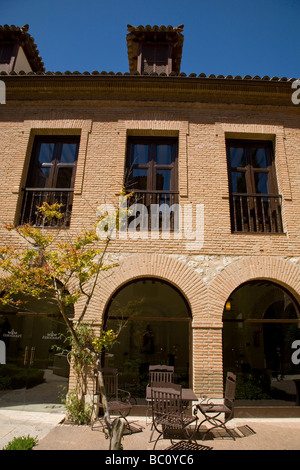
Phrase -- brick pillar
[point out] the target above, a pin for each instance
(208, 362)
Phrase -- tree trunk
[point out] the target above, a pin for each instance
(116, 434)
(115, 428)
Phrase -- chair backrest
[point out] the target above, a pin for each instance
(166, 400)
(110, 378)
(230, 388)
(161, 373)
(167, 386)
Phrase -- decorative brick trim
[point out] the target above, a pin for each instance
(275, 269)
(160, 266)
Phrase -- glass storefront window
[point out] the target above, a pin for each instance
(156, 331)
(35, 374)
(261, 322)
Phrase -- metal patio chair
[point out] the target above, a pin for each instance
(212, 411)
(168, 416)
(158, 374)
(118, 399)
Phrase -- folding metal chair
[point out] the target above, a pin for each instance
(212, 411)
(118, 399)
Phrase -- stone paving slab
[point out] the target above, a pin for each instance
(16, 423)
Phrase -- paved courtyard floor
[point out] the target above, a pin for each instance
(54, 434)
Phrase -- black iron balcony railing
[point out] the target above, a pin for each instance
(256, 213)
(34, 197)
(153, 210)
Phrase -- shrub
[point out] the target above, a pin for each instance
(5, 383)
(21, 443)
(249, 390)
(14, 377)
(77, 411)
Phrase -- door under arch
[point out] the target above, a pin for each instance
(157, 322)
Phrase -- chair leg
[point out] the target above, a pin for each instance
(149, 407)
(102, 425)
(200, 424)
(153, 430)
(160, 435)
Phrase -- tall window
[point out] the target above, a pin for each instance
(254, 199)
(51, 176)
(151, 173)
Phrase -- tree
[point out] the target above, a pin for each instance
(70, 270)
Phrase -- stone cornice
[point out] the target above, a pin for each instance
(146, 88)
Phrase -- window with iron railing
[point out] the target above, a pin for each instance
(50, 178)
(254, 200)
(151, 175)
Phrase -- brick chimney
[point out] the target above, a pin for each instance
(18, 52)
(154, 49)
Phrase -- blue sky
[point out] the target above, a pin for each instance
(231, 37)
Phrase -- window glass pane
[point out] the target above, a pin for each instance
(261, 183)
(41, 179)
(68, 153)
(237, 157)
(139, 179)
(64, 178)
(140, 155)
(259, 158)
(163, 180)
(46, 152)
(238, 182)
(164, 154)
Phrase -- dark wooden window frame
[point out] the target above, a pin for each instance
(251, 203)
(35, 194)
(152, 166)
(55, 164)
(248, 169)
(151, 194)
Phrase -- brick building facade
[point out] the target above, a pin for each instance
(236, 162)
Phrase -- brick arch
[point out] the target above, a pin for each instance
(160, 266)
(278, 270)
